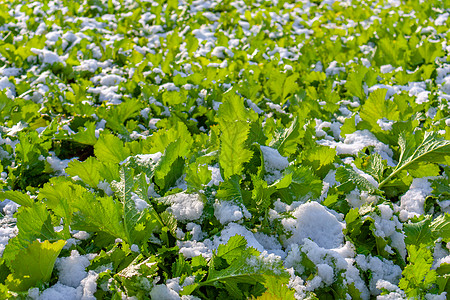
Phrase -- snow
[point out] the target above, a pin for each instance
(314, 221)
(274, 162)
(386, 69)
(360, 139)
(139, 203)
(111, 80)
(191, 249)
(185, 206)
(441, 19)
(8, 228)
(412, 202)
(316, 230)
(385, 124)
(147, 159)
(216, 178)
(333, 69)
(72, 269)
(233, 229)
(380, 269)
(387, 225)
(56, 292)
(8, 86)
(48, 57)
(74, 282)
(226, 212)
(162, 292)
(57, 164)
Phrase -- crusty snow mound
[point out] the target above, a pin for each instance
(314, 221)
(185, 206)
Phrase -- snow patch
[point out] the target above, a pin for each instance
(314, 221)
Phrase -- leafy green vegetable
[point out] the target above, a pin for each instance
(33, 264)
(432, 149)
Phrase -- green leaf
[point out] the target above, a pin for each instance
(233, 110)
(230, 190)
(375, 166)
(350, 179)
(197, 175)
(276, 290)
(87, 170)
(418, 233)
(377, 107)
(242, 265)
(233, 150)
(302, 182)
(441, 186)
(170, 167)
(87, 135)
(417, 277)
(110, 148)
(354, 83)
(441, 227)
(99, 214)
(232, 249)
(33, 265)
(320, 159)
(286, 141)
(34, 223)
(132, 220)
(60, 195)
(161, 139)
(261, 193)
(18, 197)
(433, 149)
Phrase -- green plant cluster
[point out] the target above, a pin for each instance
(110, 110)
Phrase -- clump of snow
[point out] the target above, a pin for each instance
(395, 291)
(185, 206)
(274, 163)
(385, 124)
(170, 290)
(233, 229)
(216, 178)
(139, 203)
(386, 69)
(226, 212)
(333, 69)
(222, 52)
(191, 249)
(442, 296)
(314, 221)
(57, 164)
(412, 202)
(273, 160)
(387, 225)
(72, 268)
(8, 228)
(57, 291)
(195, 230)
(328, 181)
(356, 198)
(8, 86)
(355, 142)
(49, 57)
(111, 80)
(329, 262)
(81, 235)
(106, 187)
(73, 283)
(379, 269)
(441, 19)
(148, 159)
